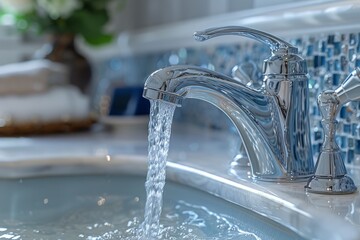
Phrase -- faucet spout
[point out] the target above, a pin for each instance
(272, 121)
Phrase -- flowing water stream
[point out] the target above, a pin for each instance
(161, 115)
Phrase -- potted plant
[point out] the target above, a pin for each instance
(62, 21)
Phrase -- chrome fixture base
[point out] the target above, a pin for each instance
(330, 171)
(240, 161)
(328, 185)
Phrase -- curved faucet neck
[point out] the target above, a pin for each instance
(276, 140)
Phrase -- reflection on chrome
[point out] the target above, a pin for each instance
(273, 120)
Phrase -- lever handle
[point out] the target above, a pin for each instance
(274, 43)
(284, 60)
(349, 90)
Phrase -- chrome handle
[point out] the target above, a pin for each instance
(330, 175)
(349, 90)
(275, 44)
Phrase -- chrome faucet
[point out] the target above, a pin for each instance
(273, 120)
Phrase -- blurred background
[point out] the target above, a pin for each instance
(65, 65)
(131, 15)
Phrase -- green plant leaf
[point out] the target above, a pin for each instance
(99, 40)
(97, 4)
(88, 22)
(90, 26)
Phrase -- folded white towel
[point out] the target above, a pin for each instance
(56, 104)
(31, 76)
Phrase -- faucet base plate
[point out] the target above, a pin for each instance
(330, 185)
(245, 172)
(240, 161)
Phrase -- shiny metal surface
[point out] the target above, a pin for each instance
(272, 121)
(248, 74)
(284, 59)
(330, 175)
(274, 43)
(349, 90)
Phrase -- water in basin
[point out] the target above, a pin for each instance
(112, 207)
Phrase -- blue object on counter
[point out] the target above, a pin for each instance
(128, 101)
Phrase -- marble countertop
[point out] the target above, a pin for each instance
(197, 157)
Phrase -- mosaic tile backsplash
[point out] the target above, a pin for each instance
(330, 59)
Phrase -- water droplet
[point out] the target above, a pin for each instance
(174, 59)
(101, 201)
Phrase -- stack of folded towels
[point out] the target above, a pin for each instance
(35, 97)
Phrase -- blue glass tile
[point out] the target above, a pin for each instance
(336, 79)
(350, 143)
(343, 112)
(312, 83)
(357, 62)
(330, 52)
(343, 142)
(337, 48)
(322, 60)
(316, 147)
(351, 55)
(322, 46)
(337, 65)
(350, 156)
(310, 50)
(317, 61)
(338, 140)
(310, 63)
(354, 129)
(329, 65)
(344, 49)
(331, 39)
(343, 63)
(318, 135)
(343, 155)
(347, 128)
(343, 38)
(315, 110)
(357, 146)
(352, 39)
